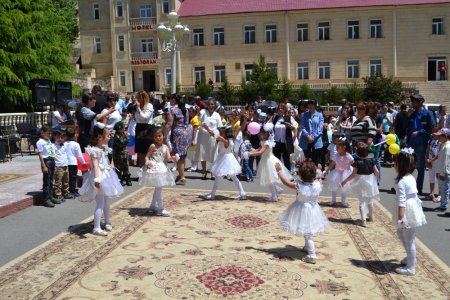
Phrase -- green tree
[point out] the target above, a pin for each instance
(383, 89)
(203, 90)
(264, 78)
(285, 91)
(353, 93)
(248, 92)
(305, 92)
(225, 93)
(35, 43)
(332, 96)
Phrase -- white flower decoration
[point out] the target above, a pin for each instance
(408, 150)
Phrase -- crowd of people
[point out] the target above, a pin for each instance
(272, 142)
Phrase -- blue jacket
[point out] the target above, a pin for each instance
(423, 122)
(311, 125)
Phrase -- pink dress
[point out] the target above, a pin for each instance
(341, 171)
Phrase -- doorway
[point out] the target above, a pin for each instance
(149, 78)
(433, 67)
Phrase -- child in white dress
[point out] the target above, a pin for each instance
(226, 164)
(267, 174)
(341, 168)
(100, 182)
(363, 182)
(156, 173)
(409, 214)
(304, 216)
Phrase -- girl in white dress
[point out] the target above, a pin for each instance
(341, 168)
(226, 164)
(363, 182)
(155, 172)
(409, 214)
(266, 171)
(304, 216)
(100, 182)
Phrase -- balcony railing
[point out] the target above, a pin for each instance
(143, 24)
(144, 58)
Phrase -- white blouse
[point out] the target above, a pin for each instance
(213, 121)
(146, 116)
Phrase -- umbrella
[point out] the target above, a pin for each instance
(266, 104)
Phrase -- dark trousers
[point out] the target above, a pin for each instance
(47, 180)
(442, 76)
(280, 150)
(314, 154)
(73, 176)
(247, 171)
(251, 160)
(121, 165)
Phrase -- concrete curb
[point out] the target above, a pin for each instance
(12, 208)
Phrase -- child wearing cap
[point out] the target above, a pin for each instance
(444, 167)
(120, 154)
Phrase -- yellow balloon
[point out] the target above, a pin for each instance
(394, 149)
(390, 139)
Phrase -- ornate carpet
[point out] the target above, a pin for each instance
(7, 177)
(222, 249)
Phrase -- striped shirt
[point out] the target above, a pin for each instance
(363, 129)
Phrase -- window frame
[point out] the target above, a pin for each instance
(303, 68)
(350, 74)
(270, 32)
(325, 29)
(302, 30)
(122, 78)
(324, 68)
(165, 4)
(439, 26)
(376, 34)
(96, 11)
(146, 8)
(199, 37)
(219, 73)
(354, 32)
(202, 71)
(148, 43)
(248, 72)
(219, 35)
(167, 73)
(119, 8)
(373, 64)
(97, 45)
(121, 43)
(251, 34)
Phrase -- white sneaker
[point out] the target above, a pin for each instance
(163, 213)
(108, 227)
(174, 169)
(437, 199)
(240, 197)
(404, 261)
(191, 170)
(208, 197)
(99, 232)
(405, 271)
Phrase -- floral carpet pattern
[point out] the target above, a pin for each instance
(221, 249)
(7, 177)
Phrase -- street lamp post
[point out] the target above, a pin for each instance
(171, 37)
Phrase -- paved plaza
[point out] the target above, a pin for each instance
(208, 249)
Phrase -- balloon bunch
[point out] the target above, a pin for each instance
(390, 139)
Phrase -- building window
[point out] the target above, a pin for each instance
(122, 81)
(249, 34)
(119, 8)
(97, 45)
(219, 72)
(272, 66)
(147, 45)
(353, 30)
(375, 67)
(302, 32)
(271, 33)
(323, 31)
(199, 73)
(302, 71)
(219, 36)
(165, 6)
(324, 70)
(120, 43)
(168, 76)
(145, 11)
(353, 69)
(438, 26)
(95, 11)
(198, 37)
(375, 29)
(248, 69)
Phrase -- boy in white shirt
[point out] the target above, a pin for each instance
(444, 167)
(61, 190)
(46, 152)
(73, 150)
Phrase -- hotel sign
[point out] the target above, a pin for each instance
(144, 61)
(139, 27)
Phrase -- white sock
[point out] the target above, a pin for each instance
(158, 193)
(362, 209)
(106, 210)
(344, 198)
(215, 186)
(273, 191)
(238, 185)
(309, 245)
(370, 206)
(99, 204)
(333, 197)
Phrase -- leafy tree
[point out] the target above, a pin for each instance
(264, 78)
(285, 91)
(305, 92)
(248, 92)
(353, 93)
(225, 93)
(383, 89)
(332, 96)
(203, 90)
(35, 43)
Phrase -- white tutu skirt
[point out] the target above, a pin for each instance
(363, 187)
(267, 173)
(109, 186)
(226, 165)
(413, 213)
(336, 177)
(158, 176)
(302, 218)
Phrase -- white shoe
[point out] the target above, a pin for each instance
(208, 197)
(99, 232)
(279, 190)
(173, 169)
(163, 213)
(108, 227)
(191, 170)
(404, 261)
(405, 271)
(240, 197)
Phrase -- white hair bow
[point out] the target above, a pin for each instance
(100, 125)
(268, 127)
(343, 138)
(408, 150)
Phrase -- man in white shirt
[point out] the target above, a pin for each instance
(58, 116)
